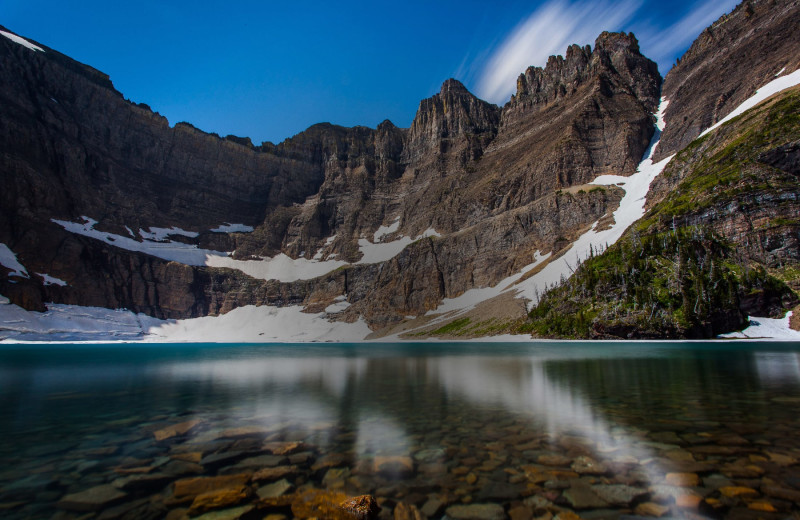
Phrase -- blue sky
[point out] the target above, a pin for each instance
(268, 70)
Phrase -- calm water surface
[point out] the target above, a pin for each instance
(459, 431)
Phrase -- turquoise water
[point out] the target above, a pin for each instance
(442, 430)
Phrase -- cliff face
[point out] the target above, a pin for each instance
(726, 64)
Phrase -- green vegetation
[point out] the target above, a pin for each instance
(682, 283)
(452, 327)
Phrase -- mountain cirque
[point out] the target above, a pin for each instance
(482, 178)
(376, 224)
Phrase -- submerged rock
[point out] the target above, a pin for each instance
(476, 512)
(92, 499)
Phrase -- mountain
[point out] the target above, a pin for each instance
(446, 228)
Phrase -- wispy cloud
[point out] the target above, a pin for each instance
(666, 44)
(548, 31)
(559, 23)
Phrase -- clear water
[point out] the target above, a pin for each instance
(540, 430)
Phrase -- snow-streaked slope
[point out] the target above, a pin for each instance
(9, 260)
(768, 328)
(280, 267)
(469, 299)
(22, 41)
(631, 209)
(770, 89)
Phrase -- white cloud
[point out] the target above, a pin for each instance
(559, 23)
(549, 31)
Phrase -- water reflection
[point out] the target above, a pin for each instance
(495, 424)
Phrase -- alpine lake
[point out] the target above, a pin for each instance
(547, 430)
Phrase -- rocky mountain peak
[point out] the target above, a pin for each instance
(616, 55)
(454, 114)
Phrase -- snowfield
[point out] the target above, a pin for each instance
(767, 328)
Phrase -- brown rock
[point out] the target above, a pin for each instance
(682, 479)
(393, 466)
(219, 498)
(191, 456)
(92, 499)
(762, 505)
(781, 492)
(226, 514)
(735, 491)
(520, 513)
(275, 489)
(276, 473)
(403, 511)
(313, 503)
(588, 466)
(567, 515)
(176, 430)
(188, 489)
(651, 509)
(553, 460)
(284, 448)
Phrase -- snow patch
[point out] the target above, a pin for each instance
(160, 234)
(280, 267)
(383, 251)
(770, 89)
(780, 72)
(9, 260)
(52, 280)
(339, 306)
(232, 228)
(386, 230)
(22, 41)
(768, 328)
